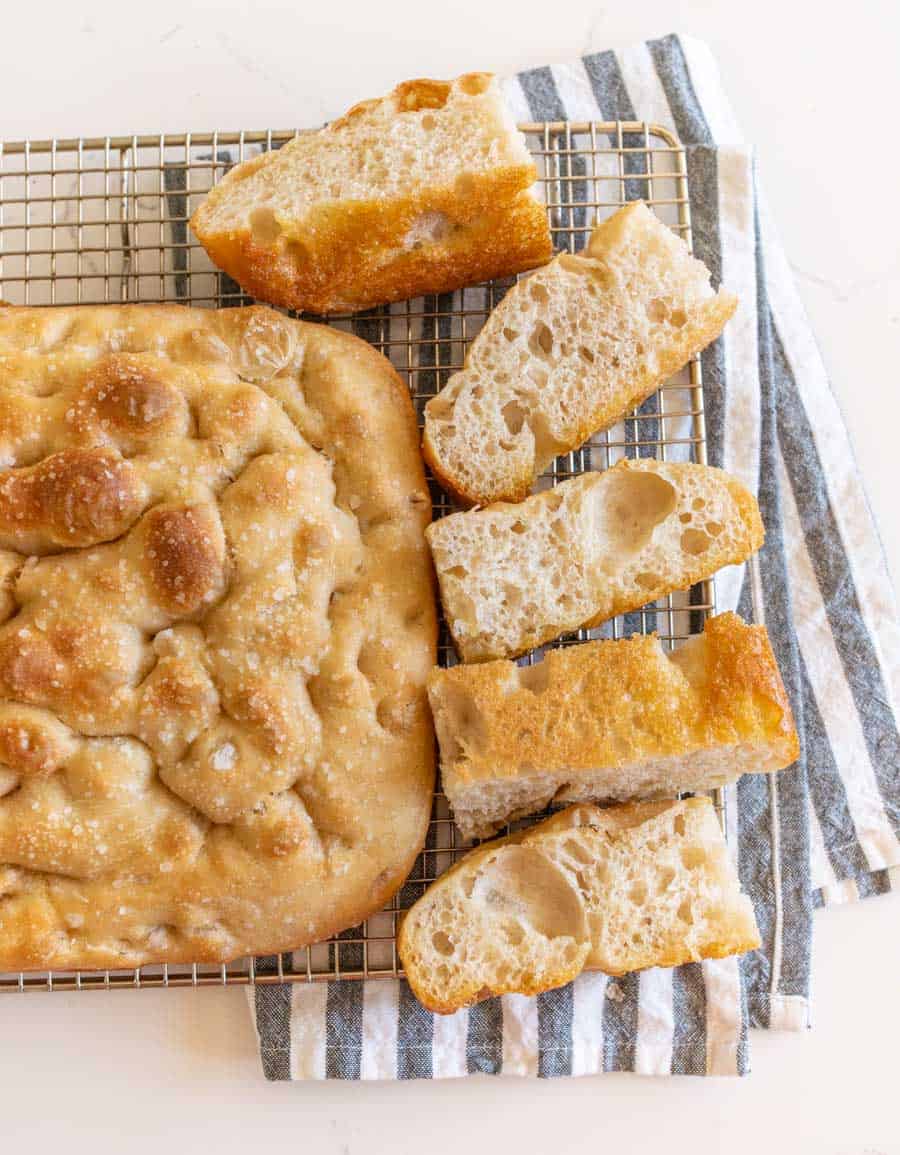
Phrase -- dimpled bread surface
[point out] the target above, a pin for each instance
(217, 622)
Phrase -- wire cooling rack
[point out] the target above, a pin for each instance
(106, 220)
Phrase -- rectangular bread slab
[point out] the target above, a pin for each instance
(610, 721)
(216, 625)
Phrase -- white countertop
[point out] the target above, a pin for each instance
(816, 92)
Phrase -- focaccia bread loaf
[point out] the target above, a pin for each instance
(567, 352)
(217, 623)
(423, 191)
(515, 576)
(641, 885)
(610, 721)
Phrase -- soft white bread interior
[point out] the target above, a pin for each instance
(641, 885)
(515, 576)
(567, 352)
(422, 191)
(610, 721)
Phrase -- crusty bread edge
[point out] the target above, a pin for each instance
(678, 958)
(196, 951)
(423, 992)
(741, 660)
(334, 261)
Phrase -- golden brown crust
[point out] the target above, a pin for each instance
(213, 729)
(185, 551)
(632, 705)
(529, 987)
(533, 986)
(354, 251)
(743, 679)
(422, 92)
(72, 498)
(338, 260)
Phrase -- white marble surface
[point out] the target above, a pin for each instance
(816, 91)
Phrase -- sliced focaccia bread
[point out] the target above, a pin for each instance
(567, 352)
(515, 576)
(635, 886)
(610, 721)
(423, 191)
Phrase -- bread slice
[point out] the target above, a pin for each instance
(515, 576)
(610, 721)
(641, 885)
(567, 352)
(423, 191)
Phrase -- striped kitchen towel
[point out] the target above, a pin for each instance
(824, 831)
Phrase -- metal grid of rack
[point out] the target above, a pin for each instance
(106, 220)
